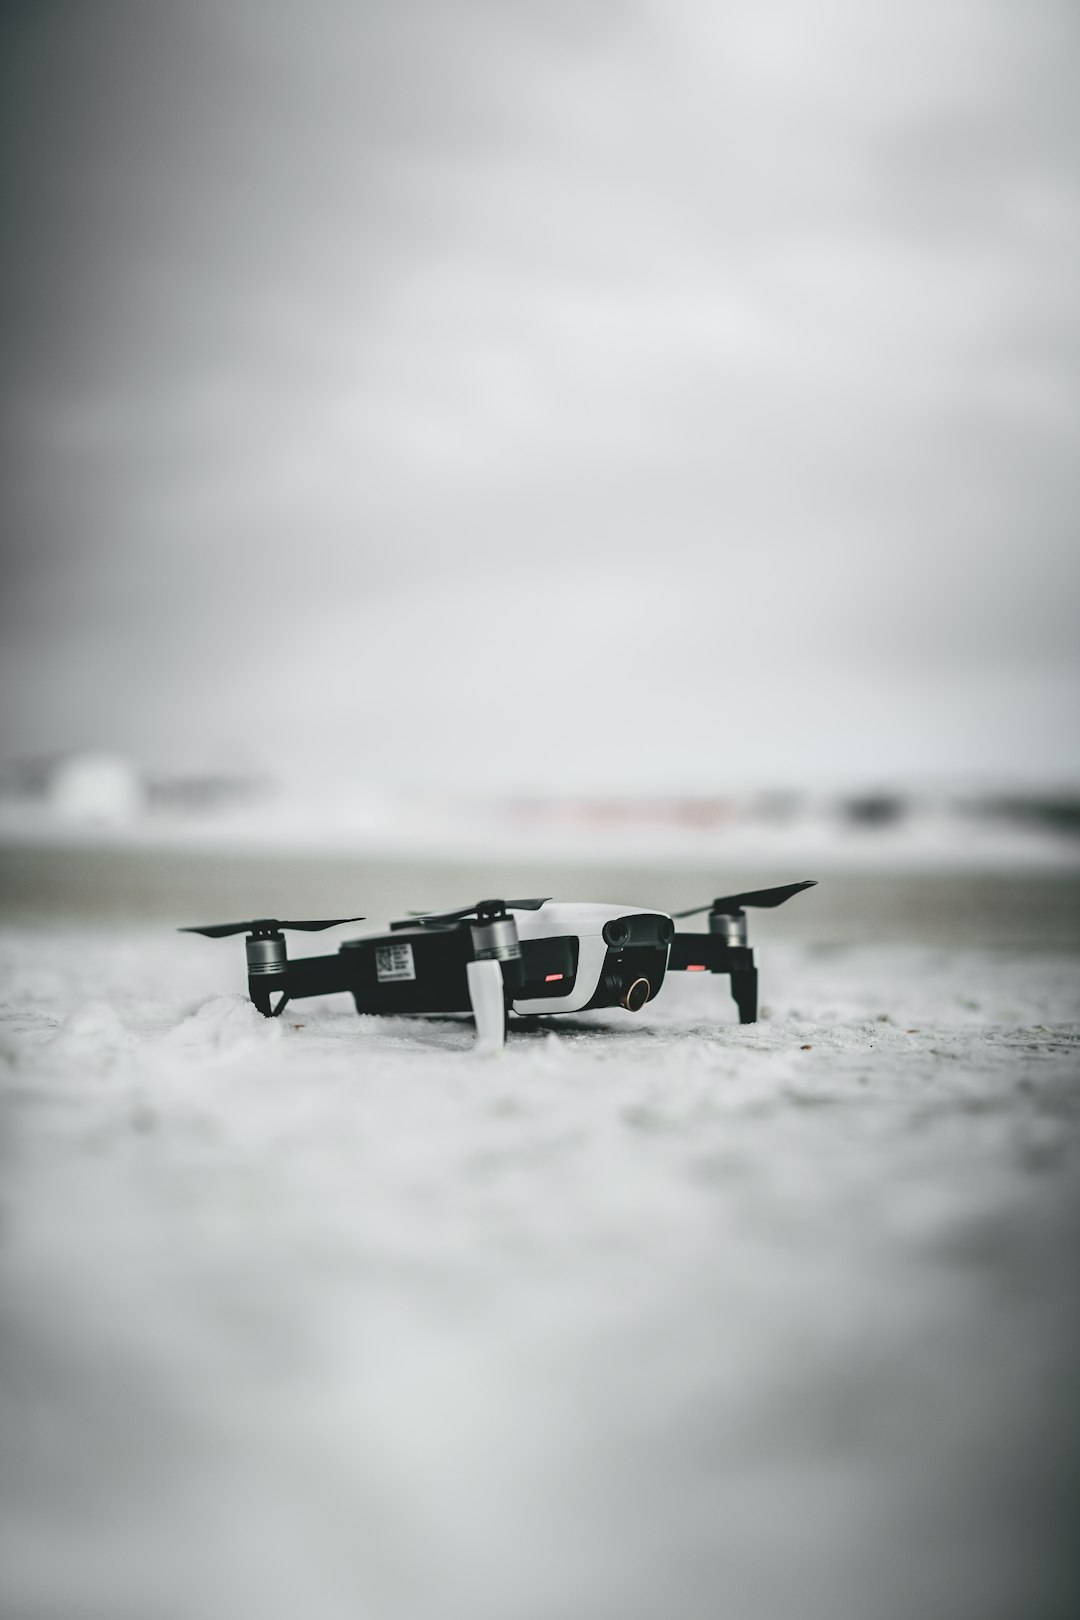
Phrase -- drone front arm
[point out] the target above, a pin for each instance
(711, 953)
(724, 948)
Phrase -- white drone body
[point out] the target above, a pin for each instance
(584, 921)
(534, 958)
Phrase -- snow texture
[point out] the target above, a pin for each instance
(330, 1316)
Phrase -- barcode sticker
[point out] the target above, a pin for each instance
(394, 962)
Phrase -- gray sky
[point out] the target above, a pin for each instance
(569, 395)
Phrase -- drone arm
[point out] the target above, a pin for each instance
(319, 975)
(708, 953)
(711, 953)
(300, 976)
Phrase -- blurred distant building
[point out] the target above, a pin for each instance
(107, 790)
(99, 788)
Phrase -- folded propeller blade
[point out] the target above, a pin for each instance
(481, 905)
(267, 925)
(320, 923)
(753, 897)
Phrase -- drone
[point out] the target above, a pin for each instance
(532, 958)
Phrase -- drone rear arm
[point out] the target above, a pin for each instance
(425, 967)
(450, 980)
(301, 976)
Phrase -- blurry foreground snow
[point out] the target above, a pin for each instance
(328, 1317)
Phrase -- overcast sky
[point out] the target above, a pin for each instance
(598, 395)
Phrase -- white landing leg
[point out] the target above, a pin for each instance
(488, 1004)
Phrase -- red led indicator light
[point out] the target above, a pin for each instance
(550, 978)
(695, 967)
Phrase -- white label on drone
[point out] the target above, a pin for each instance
(394, 962)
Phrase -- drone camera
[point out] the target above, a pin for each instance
(621, 988)
(637, 995)
(637, 957)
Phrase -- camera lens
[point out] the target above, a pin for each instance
(637, 995)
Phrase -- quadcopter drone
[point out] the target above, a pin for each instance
(529, 957)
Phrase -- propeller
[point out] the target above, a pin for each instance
(754, 897)
(482, 908)
(266, 925)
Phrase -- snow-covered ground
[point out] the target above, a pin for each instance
(647, 1317)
